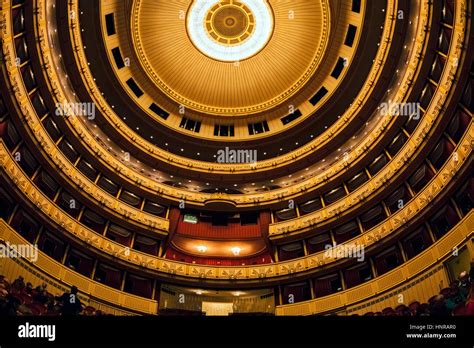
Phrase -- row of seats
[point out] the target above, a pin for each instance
(20, 299)
(457, 300)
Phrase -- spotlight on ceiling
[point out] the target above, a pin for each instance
(235, 251)
(202, 248)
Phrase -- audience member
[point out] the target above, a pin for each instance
(464, 285)
(454, 299)
(71, 304)
(438, 308)
(22, 299)
(41, 295)
(18, 284)
(469, 308)
(29, 288)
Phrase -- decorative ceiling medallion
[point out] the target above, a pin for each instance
(230, 57)
(229, 30)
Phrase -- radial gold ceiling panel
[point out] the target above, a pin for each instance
(230, 57)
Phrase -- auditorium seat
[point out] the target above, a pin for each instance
(346, 232)
(11, 136)
(372, 217)
(441, 153)
(311, 206)
(69, 204)
(296, 293)
(69, 151)
(357, 274)
(285, 214)
(334, 195)
(398, 199)
(119, 234)
(7, 204)
(318, 243)
(357, 181)
(412, 123)
(327, 285)
(458, 125)
(468, 96)
(52, 128)
(108, 275)
(130, 198)
(445, 219)
(397, 143)
(146, 245)
(416, 242)
(153, 208)
(47, 184)
(426, 96)
(459, 310)
(26, 225)
(108, 185)
(465, 197)
(387, 260)
(388, 311)
(290, 251)
(39, 105)
(420, 178)
(93, 221)
(51, 245)
(28, 162)
(414, 308)
(377, 164)
(80, 262)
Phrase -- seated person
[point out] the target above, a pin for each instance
(464, 284)
(454, 299)
(438, 308)
(9, 306)
(41, 295)
(470, 302)
(29, 288)
(18, 284)
(71, 304)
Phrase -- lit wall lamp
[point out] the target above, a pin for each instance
(235, 251)
(201, 248)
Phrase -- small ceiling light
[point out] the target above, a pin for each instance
(235, 251)
(202, 248)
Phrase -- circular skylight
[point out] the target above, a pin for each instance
(230, 31)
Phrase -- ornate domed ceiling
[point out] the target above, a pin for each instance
(230, 58)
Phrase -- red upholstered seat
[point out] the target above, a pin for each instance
(24, 298)
(414, 307)
(445, 292)
(432, 299)
(37, 308)
(88, 310)
(387, 311)
(459, 310)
